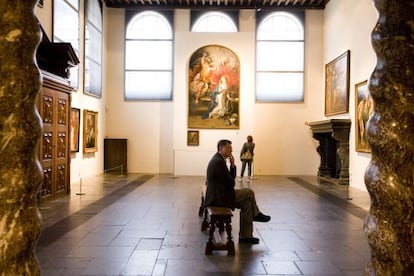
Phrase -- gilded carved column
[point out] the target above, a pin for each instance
(389, 225)
(20, 129)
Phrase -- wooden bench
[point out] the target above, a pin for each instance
(218, 218)
(202, 212)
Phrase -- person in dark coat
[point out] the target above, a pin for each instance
(221, 191)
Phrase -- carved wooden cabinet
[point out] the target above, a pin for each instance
(333, 137)
(54, 108)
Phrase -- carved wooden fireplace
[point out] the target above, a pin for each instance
(333, 137)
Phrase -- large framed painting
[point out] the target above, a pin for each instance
(90, 131)
(337, 85)
(364, 106)
(74, 129)
(213, 88)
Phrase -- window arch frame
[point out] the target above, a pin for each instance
(286, 94)
(165, 94)
(229, 16)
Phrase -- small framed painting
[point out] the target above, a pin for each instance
(193, 138)
(74, 129)
(90, 131)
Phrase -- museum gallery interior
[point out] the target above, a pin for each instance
(112, 109)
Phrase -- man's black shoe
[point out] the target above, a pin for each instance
(260, 217)
(251, 240)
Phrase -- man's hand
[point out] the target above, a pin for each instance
(231, 159)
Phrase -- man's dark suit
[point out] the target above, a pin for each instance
(220, 183)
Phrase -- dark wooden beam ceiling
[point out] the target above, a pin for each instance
(217, 4)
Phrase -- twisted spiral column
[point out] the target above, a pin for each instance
(389, 225)
(20, 130)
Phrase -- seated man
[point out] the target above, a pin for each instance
(221, 192)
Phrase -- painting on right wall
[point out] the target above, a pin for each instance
(364, 106)
(337, 85)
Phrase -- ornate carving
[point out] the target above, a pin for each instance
(47, 147)
(47, 109)
(61, 178)
(61, 145)
(333, 137)
(62, 111)
(46, 189)
(389, 176)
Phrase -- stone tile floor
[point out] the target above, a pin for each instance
(149, 225)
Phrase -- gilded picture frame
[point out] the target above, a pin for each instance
(213, 88)
(90, 131)
(364, 106)
(74, 129)
(193, 138)
(337, 85)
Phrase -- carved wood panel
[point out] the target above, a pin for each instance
(61, 178)
(47, 112)
(46, 189)
(47, 145)
(61, 145)
(62, 111)
(54, 107)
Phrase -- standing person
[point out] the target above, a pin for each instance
(246, 157)
(221, 192)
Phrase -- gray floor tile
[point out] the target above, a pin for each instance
(152, 228)
(279, 267)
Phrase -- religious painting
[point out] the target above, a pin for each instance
(90, 131)
(213, 88)
(337, 85)
(364, 106)
(74, 129)
(193, 138)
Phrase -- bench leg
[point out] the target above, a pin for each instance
(230, 242)
(213, 225)
(200, 210)
(220, 225)
(204, 224)
(210, 245)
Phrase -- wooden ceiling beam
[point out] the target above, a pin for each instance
(265, 5)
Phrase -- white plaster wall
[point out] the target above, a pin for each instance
(284, 143)
(44, 15)
(148, 126)
(87, 165)
(83, 165)
(352, 32)
(193, 160)
(157, 132)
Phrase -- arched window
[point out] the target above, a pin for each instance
(66, 29)
(93, 48)
(280, 58)
(214, 22)
(148, 57)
